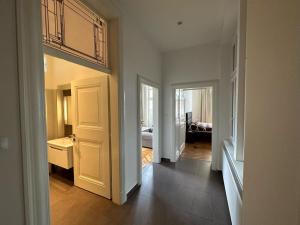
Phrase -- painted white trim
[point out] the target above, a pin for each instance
(182, 147)
(216, 147)
(116, 108)
(142, 80)
(241, 70)
(75, 59)
(32, 109)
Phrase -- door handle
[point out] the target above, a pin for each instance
(73, 136)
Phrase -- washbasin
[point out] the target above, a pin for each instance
(61, 142)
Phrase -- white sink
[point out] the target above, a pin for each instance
(60, 152)
(61, 143)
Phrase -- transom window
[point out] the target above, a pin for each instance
(70, 26)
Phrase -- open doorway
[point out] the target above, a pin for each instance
(77, 122)
(60, 36)
(198, 123)
(148, 124)
(195, 125)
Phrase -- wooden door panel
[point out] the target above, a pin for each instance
(89, 161)
(89, 116)
(90, 125)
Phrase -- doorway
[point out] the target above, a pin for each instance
(31, 47)
(195, 126)
(77, 123)
(148, 125)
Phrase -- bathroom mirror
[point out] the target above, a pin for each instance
(67, 110)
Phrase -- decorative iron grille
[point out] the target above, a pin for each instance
(70, 26)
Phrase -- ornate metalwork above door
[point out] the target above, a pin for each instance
(70, 26)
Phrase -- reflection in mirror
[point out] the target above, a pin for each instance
(67, 110)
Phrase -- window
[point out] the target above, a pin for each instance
(234, 92)
(237, 101)
(233, 111)
(147, 106)
(66, 22)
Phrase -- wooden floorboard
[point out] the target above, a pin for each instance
(147, 156)
(183, 193)
(197, 150)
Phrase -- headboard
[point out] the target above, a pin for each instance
(188, 118)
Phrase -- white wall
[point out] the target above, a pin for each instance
(272, 113)
(11, 187)
(61, 72)
(200, 63)
(139, 57)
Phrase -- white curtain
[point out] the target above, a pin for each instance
(202, 105)
(147, 106)
(188, 100)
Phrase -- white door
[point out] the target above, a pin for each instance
(91, 129)
(180, 126)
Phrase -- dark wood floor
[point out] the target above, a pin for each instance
(185, 193)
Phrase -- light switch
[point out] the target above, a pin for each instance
(3, 143)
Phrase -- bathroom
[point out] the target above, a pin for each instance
(77, 122)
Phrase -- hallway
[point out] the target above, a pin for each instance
(185, 193)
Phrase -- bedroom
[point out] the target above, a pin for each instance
(149, 123)
(195, 110)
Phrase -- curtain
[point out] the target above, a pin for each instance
(202, 105)
(147, 106)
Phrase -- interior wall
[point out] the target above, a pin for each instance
(51, 114)
(272, 113)
(197, 64)
(61, 72)
(11, 188)
(139, 57)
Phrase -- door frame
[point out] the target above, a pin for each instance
(182, 146)
(140, 81)
(32, 113)
(215, 135)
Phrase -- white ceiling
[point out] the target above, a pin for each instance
(202, 21)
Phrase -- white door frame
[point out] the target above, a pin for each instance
(215, 135)
(142, 80)
(33, 121)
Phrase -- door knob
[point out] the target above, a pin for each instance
(73, 136)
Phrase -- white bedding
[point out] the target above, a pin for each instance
(147, 137)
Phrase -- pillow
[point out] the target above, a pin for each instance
(193, 127)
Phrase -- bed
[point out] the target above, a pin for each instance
(197, 131)
(147, 136)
